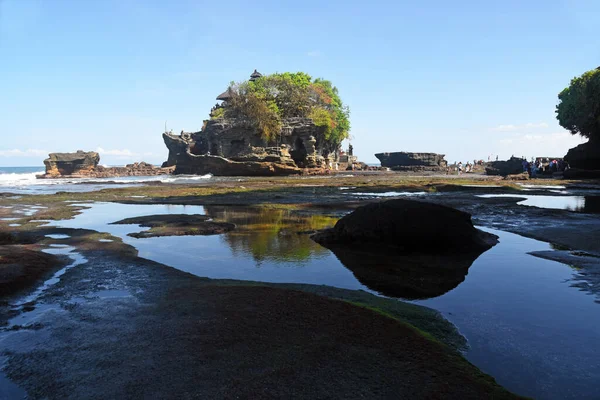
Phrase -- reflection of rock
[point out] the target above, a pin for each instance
(176, 225)
(410, 276)
(409, 225)
(407, 248)
(403, 161)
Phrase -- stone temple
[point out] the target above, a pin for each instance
(232, 146)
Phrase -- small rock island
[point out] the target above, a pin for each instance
(280, 124)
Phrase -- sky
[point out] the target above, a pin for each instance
(469, 79)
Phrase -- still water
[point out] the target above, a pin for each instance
(526, 325)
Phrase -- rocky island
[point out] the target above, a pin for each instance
(280, 124)
(81, 164)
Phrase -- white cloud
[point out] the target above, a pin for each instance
(554, 144)
(313, 53)
(23, 153)
(117, 152)
(514, 128)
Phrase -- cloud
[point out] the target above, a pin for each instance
(553, 144)
(313, 53)
(117, 152)
(23, 153)
(514, 128)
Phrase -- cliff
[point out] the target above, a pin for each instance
(404, 161)
(234, 147)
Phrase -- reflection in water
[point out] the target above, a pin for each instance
(582, 204)
(409, 276)
(271, 234)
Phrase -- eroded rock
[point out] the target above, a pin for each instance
(404, 161)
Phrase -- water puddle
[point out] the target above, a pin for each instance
(105, 240)
(14, 225)
(58, 236)
(389, 194)
(582, 204)
(526, 324)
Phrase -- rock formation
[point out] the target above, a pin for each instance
(63, 164)
(584, 160)
(403, 161)
(408, 226)
(232, 147)
(512, 166)
(407, 248)
(85, 165)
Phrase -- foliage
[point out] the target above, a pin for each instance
(579, 107)
(268, 100)
(218, 113)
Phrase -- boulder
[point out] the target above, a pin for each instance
(586, 156)
(407, 248)
(512, 166)
(408, 226)
(409, 161)
(63, 164)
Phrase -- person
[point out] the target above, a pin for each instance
(496, 158)
(524, 163)
(460, 167)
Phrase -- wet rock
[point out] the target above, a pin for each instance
(176, 225)
(408, 225)
(412, 161)
(523, 176)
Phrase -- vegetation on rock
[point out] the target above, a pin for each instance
(579, 107)
(268, 100)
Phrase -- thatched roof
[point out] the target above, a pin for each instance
(226, 95)
(255, 75)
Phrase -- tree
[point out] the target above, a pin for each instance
(268, 100)
(578, 109)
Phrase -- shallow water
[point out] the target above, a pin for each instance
(582, 204)
(527, 326)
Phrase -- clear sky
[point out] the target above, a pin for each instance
(468, 79)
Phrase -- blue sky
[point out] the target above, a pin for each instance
(468, 79)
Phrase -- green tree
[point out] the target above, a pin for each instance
(266, 101)
(578, 109)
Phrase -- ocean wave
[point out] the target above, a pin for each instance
(19, 179)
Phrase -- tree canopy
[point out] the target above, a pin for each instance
(268, 100)
(578, 109)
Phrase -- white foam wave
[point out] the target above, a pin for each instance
(16, 179)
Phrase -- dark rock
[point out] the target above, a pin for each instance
(408, 161)
(586, 156)
(523, 176)
(409, 226)
(511, 166)
(576, 173)
(66, 164)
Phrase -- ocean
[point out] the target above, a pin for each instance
(22, 180)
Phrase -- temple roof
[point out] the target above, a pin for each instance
(255, 75)
(226, 95)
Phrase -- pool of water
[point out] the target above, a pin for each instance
(582, 204)
(526, 325)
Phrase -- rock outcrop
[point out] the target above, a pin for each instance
(512, 166)
(407, 248)
(233, 147)
(85, 165)
(79, 163)
(408, 226)
(586, 156)
(403, 161)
